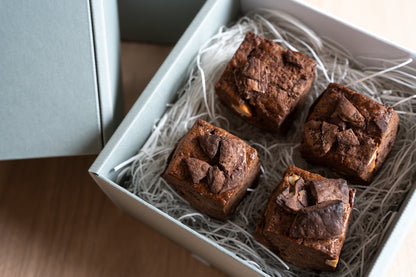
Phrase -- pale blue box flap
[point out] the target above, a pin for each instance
(49, 95)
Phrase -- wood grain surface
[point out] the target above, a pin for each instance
(55, 221)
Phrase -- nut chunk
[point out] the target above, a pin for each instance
(349, 132)
(212, 169)
(264, 83)
(306, 219)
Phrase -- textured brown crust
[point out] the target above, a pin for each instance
(276, 222)
(320, 221)
(218, 205)
(349, 132)
(264, 83)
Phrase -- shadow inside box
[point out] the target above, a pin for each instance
(54, 220)
(139, 62)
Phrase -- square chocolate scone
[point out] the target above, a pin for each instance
(349, 132)
(306, 219)
(265, 83)
(212, 169)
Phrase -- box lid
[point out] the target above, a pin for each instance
(49, 88)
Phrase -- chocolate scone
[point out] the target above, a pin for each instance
(349, 132)
(306, 219)
(265, 83)
(212, 169)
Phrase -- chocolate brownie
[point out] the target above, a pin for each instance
(349, 132)
(212, 169)
(265, 83)
(306, 219)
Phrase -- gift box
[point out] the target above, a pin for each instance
(60, 77)
(149, 108)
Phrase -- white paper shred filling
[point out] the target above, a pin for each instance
(376, 205)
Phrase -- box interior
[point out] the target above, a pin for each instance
(348, 36)
(138, 124)
(146, 21)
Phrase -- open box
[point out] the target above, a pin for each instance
(136, 127)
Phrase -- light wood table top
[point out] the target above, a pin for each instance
(55, 221)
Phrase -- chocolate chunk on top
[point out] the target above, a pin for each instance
(252, 78)
(216, 179)
(347, 137)
(232, 161)
(330, 189)
(347, 112)
(230, 167)
(321, 221)
(312, 134)
(301, 193)
(290, 57)
(232, 156)
(381, 123)
(320, 135)
(294, 197)
(329, 135)
(198, 169)
(209, 144)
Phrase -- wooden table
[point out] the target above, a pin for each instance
(54, 220)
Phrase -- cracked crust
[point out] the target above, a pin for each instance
(210, 197)
(264, 83)
(365, 131)
(276, 222)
